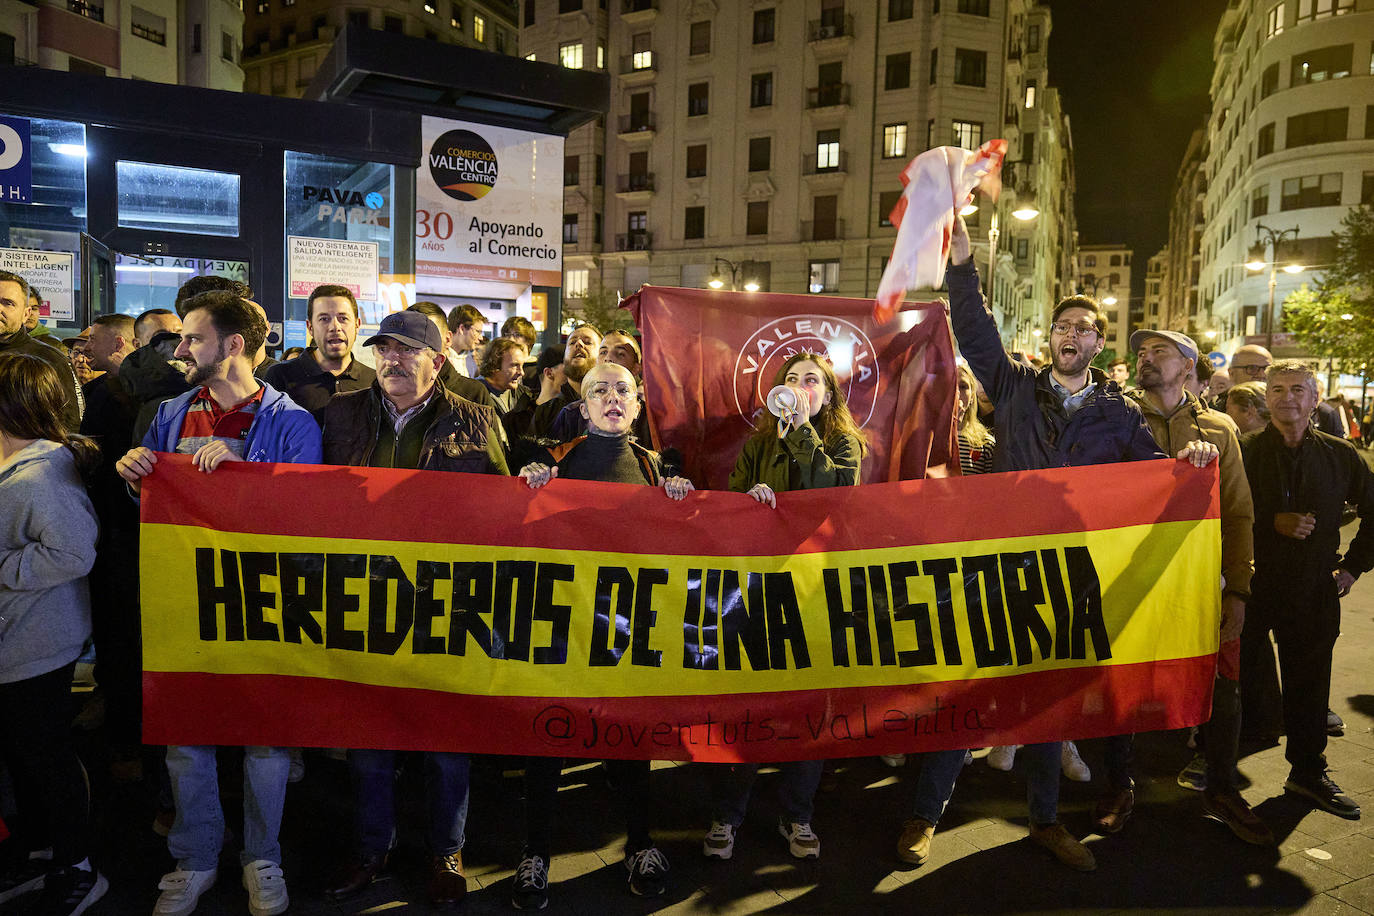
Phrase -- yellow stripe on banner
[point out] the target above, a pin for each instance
(412, 614)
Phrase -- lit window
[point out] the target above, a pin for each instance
(1275, 21)
(827, 149)
(600, 55)
(479, 28)
(824, 276)
(570, 55)
(575, 283)
(894, 140)
(1030, 93)
(641, 56)
(968, 134)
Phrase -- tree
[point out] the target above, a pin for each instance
(600, 308)
(1335, 320)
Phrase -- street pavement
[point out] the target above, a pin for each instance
(1169, 859)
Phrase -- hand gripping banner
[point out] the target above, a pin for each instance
(354, 607)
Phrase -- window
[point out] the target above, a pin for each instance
(148, 26)
(930, 134)
(699, 41)
(176, 199)
(760, 154)
(756, 218)
(393, 24)
(227, 49)
(1367, 189)
(600, 55)
(1090, 260)
(195, 38)
(698, 99)
(1311, 191)
(968, 134)
(1259, 201)
(694, 223)
(358, 19)
(765, 23)
(894, 140)
(974, 7)
(898, 10)
(1320, 9)
(641, 57)
(479, 28)
(1030, 93)
(934, 65)
(1264, 141)
(887, 200)
(1022, 249)
(696, 160)
(571, 178)
(898, 72)
(600, 169)
(500, 41)
(1327, 126)
(824, 224)
(1028, 146)
(1033, 38)
(1369, 122)
(569, 228)
(570, 55)
(575, 283)
(825, 276)
(1269, 81)
(1115, 262)
(455, 18)
(596, 227)
(1274, 22)
(827, 150)
(970, 67)
(761, 90)
(1319, 64)
(569, 6)
(529, 12)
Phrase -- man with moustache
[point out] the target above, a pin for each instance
(228, 415)
(327, 366)
(579, 356)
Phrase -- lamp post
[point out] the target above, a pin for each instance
(751, 285)
(1270, 239)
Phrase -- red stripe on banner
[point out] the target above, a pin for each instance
(384, 504)
(795, 725)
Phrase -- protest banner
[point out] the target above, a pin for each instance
(349, 607)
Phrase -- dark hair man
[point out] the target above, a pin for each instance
(465, 387)
(327, 366)
(503, 372)
(1063, 415)
(1164, 362)
(226, 416)
(522, 329)
(14, 305)
(1301, 479)
(33, 317)
(579, 356)
(606, 454)
(465, 324)
(1119, 371)
(197, 285)
(406, 419)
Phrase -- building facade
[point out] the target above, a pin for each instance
(1104, 272)
(191, 42)
(1156, 282)
(1291, 150)
(1179, 295)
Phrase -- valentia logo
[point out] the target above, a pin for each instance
(844, 343)
(463, 165)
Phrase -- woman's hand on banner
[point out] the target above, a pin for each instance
(536, 474)
(677, 487)
(763, 493)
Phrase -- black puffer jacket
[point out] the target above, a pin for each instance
(150, 379)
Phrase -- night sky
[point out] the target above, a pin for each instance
(1133, 77)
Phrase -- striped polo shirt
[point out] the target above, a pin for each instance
(206, 421)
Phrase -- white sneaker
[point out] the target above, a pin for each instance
(1073, 765)
(181, 891)
(802, 842)
(720, 841)
(894, 760)
(266, 888)
(968, 757)
(1002, 757)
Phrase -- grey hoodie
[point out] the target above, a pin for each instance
(47, 545)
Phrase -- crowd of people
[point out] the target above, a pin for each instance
(197, 380)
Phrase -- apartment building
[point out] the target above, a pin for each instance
(1179, 297)
(1156, 282)
(1104, 272)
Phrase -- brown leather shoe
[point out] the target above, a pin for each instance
(1064, 847)
(1113, 810)
(447, 885)
(913, 846)
(356, 875)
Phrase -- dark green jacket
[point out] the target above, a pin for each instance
(770, 460)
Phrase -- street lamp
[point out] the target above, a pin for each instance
(1271, 239)
(751, 285)
(1108, 299)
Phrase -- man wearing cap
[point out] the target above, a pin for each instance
(406, 419)
(1164, 361)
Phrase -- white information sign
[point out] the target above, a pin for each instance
(489, 203)
(49, 272)
(313, 262)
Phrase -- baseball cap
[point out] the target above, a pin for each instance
(414, 329)
(1182, 341)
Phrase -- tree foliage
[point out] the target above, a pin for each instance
(601, 309)
(1317, 316)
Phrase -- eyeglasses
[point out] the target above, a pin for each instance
(1254, 369)
(1078, 329)
(602, 390)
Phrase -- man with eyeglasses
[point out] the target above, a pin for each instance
(1066, 414)
(1252, 362)
(406, 419)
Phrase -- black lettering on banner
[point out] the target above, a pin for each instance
(942, 570)
(512, 609)
(918, 614)
(842, 620)
(302, 596)
(1059, 601)
(645, 618)
(339, 602)
(253, 567)
(215, 592)
(471, 599)
(611, 617)
(882, 619)
(428, 608)
(559, 615)
(784, 622)
(699, 631)
(1023, 600)
(1087, 604)
(382, 572)
(744, 623)
(988, 631)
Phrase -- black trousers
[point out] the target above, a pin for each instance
(630, 779)
(49, 783)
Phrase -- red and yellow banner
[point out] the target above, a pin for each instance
(354, 607)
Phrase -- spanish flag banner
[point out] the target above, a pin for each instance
(358, 607)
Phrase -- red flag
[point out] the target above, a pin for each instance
(710, 358)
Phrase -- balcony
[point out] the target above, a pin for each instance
(830, 28)
(90, 10)
(637, 68)
(828, 96)
(639, 240)
(637, 126)
(634, 185)
(834, 164)
(638, 12)
(822, 230)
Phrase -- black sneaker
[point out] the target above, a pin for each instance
(1325, 794)
(1335, 725)
(71, 891)
(531, 883)
(24, 878)
(648, 870)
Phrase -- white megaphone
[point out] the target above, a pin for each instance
(784, 403)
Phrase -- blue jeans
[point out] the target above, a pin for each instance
(940, 770)
(198, 831)
(731, 784)
(374, 800)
